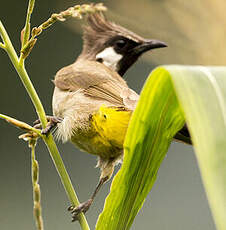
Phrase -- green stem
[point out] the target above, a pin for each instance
(41, 113)
(65, 178)
(23, 75)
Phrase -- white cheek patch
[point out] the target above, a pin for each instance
(110, 58)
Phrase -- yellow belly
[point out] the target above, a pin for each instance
(111, 124)
(105, 134)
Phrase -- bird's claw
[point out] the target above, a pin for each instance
(83, 207)
(52, 121)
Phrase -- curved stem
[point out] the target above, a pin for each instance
(23, 75)
(51, 145)
(19, 66)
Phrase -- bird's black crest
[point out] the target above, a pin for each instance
(99, 29)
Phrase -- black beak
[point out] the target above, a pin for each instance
(148, 45)
(134, 53)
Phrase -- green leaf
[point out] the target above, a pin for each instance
(170, 94)
(202, 94)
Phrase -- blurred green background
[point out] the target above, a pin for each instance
(195, 33)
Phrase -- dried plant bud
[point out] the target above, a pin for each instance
(100, 7)
(37, 209)
(22, 35)
(28, 48)
(17, 123)
(35, 171)
(77, 11)
(32, 133)
(58, 17)
(37, 193)
(29, 136)
(36, 31)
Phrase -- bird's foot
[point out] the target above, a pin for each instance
(83, 207)
(52, 122)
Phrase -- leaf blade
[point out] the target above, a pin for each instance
(199, 94)
(206, 120)
(131, 179)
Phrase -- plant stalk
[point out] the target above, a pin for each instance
(20, 68)
(37, 208)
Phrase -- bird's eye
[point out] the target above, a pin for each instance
(120, 43)
(99, 60)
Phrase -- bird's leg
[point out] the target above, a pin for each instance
(106, 173)
(83, 207)
(52, 122)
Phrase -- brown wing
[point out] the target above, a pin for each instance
(96, 81)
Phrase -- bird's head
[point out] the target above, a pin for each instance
(114, 45)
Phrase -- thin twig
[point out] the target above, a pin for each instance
(36, 187)
(20, 124)
(76, 11)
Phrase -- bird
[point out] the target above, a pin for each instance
(119, 48)
(92, 103)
